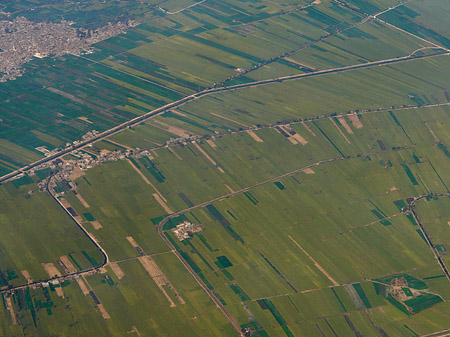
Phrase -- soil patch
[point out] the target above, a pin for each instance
(51, 269)
(76, 173)
(229, 188)
(10, 308)
(309, 171)
(83, 287)
(343, 122)
(308, 128)
(203, 152)
(103, 311)
(436, 139)
(96, 224)
(67, 265)
(162, 203)
(132, 241)
(177, 131)
(160, 199)
(117, 270)
(355, 120)
(340, 131)
(211, 143)
(27, 276)
(174, 152)
(160, 279)
(254, 136)
(85, 204)
(85, 119)
(298, 63)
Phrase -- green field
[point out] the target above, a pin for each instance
(310, 207)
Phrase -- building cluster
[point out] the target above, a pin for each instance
(21, 40)
(65, 168)
(185, 230)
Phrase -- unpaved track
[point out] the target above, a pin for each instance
(160, 230)
(211, 295)
(316, 264)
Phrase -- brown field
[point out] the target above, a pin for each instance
(27, 276)
(51, 269)
(117, 270)
(308, 171)
(132, 241)
(139, 172)
(229, 188)
(83, 287)
(103, 311)
(66, 262)
(66, 205)
(355, 120)
(296, 62)
(86, 288)
(177, 131)
(85, 119)
(96, 224)
(307, 128)
(345, 125)
(158, 196)
(211, 143)
(160, 279)
(118, 144)
(300, 139)
(76, 173)
(162, 203)
(436, 139)
(203, 152)
(59, 290)
(254, 136)
(174, 152)
(134, 329)
(10, 308)
(85, 204)
(340, 131)
(295, 138)
(179, 113)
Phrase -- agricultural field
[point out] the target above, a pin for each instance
(230, 168)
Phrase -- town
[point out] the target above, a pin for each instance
(21, 40)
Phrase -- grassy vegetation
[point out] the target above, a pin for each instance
(43, 311)
(303, 227)
(26, 232)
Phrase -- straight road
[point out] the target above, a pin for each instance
(206, 92)
(424, 232)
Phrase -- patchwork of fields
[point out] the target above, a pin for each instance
(314, 206)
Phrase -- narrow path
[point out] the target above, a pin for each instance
(161, 232)
(316, 264)
(443, 333)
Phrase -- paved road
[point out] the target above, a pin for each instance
(176, 104)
